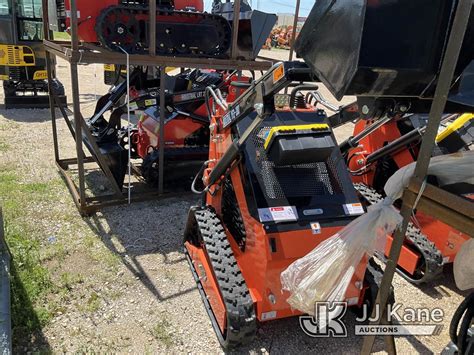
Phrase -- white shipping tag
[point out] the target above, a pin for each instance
(353, 209)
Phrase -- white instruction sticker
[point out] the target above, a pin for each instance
(315, 228)
(278, 214)
(353, 209)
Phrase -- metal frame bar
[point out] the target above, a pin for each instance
(235, 29)
(295, 25)
(152, 34)
(447, 207)
(89, 53)
(293, 35)
(93, 204)
(77, 106)
(439, 102)
(77, 53)
(161, 153)
(49, 69)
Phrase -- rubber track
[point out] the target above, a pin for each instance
(241, 318)
(432, 255)
(136, 10)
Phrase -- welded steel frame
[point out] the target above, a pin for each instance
(76, 53)
(446, 207)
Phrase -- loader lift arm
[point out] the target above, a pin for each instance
(258, 97)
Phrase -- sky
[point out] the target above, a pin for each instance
(275, 6)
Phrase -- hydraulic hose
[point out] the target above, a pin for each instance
(241, 84)
(196, 178)
(352, 142)
(396, 145)
(298, 88)
(462, 320)
(223, 164)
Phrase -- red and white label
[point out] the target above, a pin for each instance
(353, 209)
(278, 214)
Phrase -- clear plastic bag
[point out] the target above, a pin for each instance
(449, 169)
(325, 273)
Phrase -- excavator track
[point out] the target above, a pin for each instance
(241, 321)
(431, 265)
(178, 33)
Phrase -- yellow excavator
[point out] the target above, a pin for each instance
(22, 55)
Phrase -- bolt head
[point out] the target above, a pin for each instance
(120, 30)
(403, 108)
(259, 108)
(365, 109)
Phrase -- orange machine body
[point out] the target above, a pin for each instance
(447, 239)
(266, 254)
(178, 131)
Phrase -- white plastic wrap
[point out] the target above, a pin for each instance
(325, 273)
(449, 169)
(463, 267)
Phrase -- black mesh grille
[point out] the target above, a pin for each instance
(231, 214)
(294, 180)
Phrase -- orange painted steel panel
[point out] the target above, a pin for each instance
(408, 258)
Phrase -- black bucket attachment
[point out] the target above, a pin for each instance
(254, 28)
(113, 155)
(464, 94)
(116, 157)
(380, 47)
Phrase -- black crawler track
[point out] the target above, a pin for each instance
(209, 234)
(431, 264)
(119, 27)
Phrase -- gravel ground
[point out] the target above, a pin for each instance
(140, 295)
